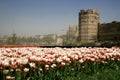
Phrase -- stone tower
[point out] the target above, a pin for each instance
(88, 25)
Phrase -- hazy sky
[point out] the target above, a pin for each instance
(38, 17)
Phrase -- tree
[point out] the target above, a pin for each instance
(14, 39)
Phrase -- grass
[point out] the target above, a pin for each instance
(74, 71)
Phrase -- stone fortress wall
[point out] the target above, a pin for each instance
(88, 25)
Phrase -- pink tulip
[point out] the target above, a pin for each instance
(47, 67)
(18, 70)
(32, 65)
(5, 72)
(62, 64)
(26, 70)
(81, 61)
(10, 78)
(41, 70)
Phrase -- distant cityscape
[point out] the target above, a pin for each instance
(89, 29)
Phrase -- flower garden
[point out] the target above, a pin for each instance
(34, 63)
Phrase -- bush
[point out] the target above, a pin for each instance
(110, 44)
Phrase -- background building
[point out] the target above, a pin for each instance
(73, 33)
(88, 25)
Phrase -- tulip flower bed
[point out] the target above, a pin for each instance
(33, 63)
